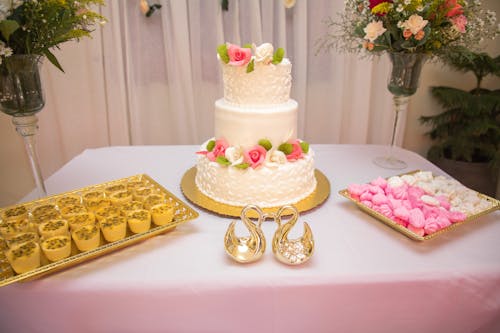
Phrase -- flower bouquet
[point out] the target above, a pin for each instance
(410, 31)
(29, 30)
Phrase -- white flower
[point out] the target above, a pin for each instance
(373, 30)
(234, 155)
(415, 23)
(278, 157)
(263, 53)
(289, 3)
(400, 8)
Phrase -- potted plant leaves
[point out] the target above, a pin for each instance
(467, 134)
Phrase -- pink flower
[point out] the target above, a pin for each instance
(219, 150)
(453, 8)
(420, 35)
(255, 156)
(296, 153)
(238, 56)
(407, 33)
(459, 23)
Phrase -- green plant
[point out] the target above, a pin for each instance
(36, 27)
(469, 128)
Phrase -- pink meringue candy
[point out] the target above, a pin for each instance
(416, 218)
(380, 182)
(431, 226)
(415, 230)
(379, 199)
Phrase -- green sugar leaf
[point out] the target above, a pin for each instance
(266, 144)
(211, 145)
(222, 160)
(278, 55)
(286, 148)
(305, 146)
(250, 66)
(242, 166)
(247, 46)
(222, 51)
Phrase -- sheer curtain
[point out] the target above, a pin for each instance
(154, 81)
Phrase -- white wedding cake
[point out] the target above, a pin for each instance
(255, 156)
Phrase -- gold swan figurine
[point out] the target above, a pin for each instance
(249, 248)
(295, 251)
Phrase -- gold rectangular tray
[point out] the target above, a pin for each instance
(182, 213)
(412, 235)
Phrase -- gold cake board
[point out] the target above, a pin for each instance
(194, 195)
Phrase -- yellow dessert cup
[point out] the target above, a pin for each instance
(153, 200)
(12, 228)
(25, 257)
(139, 221)
(77, 220)
(94, 204)
(109, 190)
(72, 210)
(131, 206)
(86, 237)
(15, 213)
(121, 197)
(57, 247)
(162, 214)
(53, 228)
(22, 238)
(68, 200)
(114, 228)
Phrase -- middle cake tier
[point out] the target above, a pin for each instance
(245, 126)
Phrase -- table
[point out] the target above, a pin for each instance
(363, 277)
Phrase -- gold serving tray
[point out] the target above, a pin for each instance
(182, 213)
(412, 235)
(192, 193)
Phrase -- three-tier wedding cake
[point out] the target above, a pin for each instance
(255, 156)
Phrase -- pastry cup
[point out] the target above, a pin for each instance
(121, 197)
(56, 227)
(102, 213)
(162, 214)
(139, 221)
(25, 257)
(44, 210)
(92, 195)
(114, 228)
(94, 204)
(140, 194)
(153, 200)
(57, 247)
(22, 238)
(109, 190)
(15, 213)
(132, 206)
(12, 228)
(68, 200)
(86, 237)
(77, 220)
(71, 210)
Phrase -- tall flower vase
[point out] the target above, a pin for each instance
(403, 83)
(21, 96)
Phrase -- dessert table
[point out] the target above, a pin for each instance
(363, 276)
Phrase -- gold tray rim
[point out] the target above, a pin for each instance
(108, 247)
(412, 235)
(193, 195)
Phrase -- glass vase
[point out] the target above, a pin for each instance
(402, 83)
(21, 96)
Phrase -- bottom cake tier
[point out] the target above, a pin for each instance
(265, 186)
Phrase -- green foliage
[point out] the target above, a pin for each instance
(222, 51)
(278, 56)
(210, 145)
(250, 66)
(469, 128)
(36, 27)
(222, 161)
(286, 148)
(266, 144)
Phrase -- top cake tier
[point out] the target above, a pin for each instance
(253, 78)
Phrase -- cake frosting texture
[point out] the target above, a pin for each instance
(255, 156)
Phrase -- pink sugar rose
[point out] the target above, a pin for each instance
(219, 150)
(238, 56)
(255, 156)
(296, 153)
(459, 23)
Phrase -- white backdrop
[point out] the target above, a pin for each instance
(153, 81)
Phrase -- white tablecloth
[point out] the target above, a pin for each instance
(363, 277)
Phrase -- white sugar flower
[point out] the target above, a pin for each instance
(373, 30)
(263, 53)
(278, 157)
(234, 155)
(414, 23)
